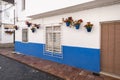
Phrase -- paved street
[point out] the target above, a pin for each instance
(13, 70)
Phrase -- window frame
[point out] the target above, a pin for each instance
(26, 31)
(52, 52)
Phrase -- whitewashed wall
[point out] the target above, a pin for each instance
(41, 6)
(73, 37)
(8, 13)
(19, 13)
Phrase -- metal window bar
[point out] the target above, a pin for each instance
(53, 39)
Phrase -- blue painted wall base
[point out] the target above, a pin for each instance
(85, 58)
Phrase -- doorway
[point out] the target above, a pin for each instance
(110, 48)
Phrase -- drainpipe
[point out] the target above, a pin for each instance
(14, 30)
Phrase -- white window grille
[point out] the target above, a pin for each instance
(53, 39)
(24, 35)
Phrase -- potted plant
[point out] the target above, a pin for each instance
(77, 23)
(88, 26)
(16, 27)
(9, 32)
(33, 29)
(68, 21)
(28, 23)
(37, 26)
(6, 28)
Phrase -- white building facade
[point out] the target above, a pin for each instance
(6, 22)
(55, 41)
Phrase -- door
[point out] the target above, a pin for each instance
(110, 48)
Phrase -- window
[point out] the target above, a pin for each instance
(53, 39)
(24, 35)
(23, 4)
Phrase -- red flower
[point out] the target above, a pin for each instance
(37, 26)
(28, 23)
(88, 25)
(69, 19)
(78, 21)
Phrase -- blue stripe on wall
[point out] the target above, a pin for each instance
(86, 58)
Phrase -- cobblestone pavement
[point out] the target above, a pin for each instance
(57, 69)
(13, 70)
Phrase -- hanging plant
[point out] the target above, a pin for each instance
(88, 26)
(16, 27)
(68, 21)
(37, 26)
(33, 29)
(78, 23)
(9, 32)
(28, 23)
(6, 28)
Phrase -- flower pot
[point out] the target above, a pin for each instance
(33, 30)
(9, 32)
(67, 23)
(29, 25)
(37, 27)
(89, 29)
(77, 26)
(6, 28)
(16, 28)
